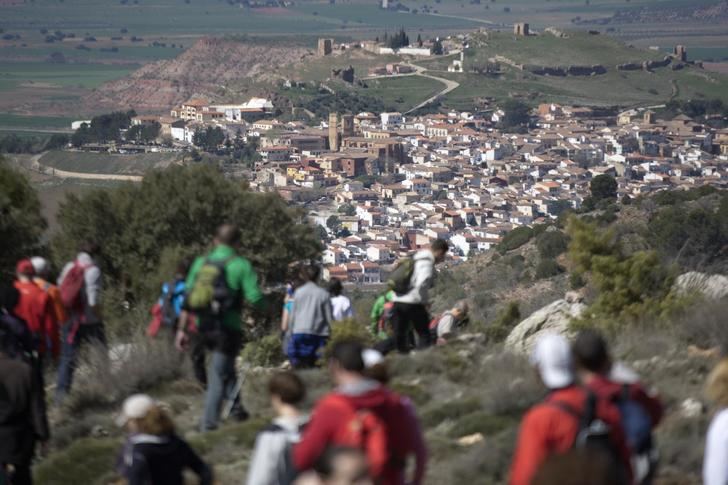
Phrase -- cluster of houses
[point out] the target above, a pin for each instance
(456, 176)
(407, 180)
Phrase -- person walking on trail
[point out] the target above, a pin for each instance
(379, 317)
(411, 300)
(359, 413)
(640, 411)
(153, 453)
(217, 285)
(36, 310)
(167, 310)
(23, 420)
(715, 462)
(446, 326)
(376, 368)
(42, 269)
(23, 345)
(570, 417)
(311, 320)
(340, 303)
(271, 462)
(81, 291)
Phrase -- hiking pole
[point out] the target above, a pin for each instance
(236, 393)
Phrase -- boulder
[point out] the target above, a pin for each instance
(711, 287)
(555, 317)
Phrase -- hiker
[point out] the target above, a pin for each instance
(380, 324)
(376, 369)
(23, 420)
(34, 307)
(412, 298)
(80, 287)
(310, 321)
(42, 269)
(217, 285)
(339, 466)
(569, 417)
(168, 309)
(287, 314)
(640, 412)
(715, 462)
(446, 326)
(340, 303)
(153, 453)
(359, 413)
(271, 461)
(23, 343)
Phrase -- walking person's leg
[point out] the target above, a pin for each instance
(67, 364)
(401, 327)
(421, 322)
(197, 355)
(21, 475)
(216, 371)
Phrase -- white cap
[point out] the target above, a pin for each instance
(552, 357)
(135, 407)
(40, 265)
(623, 374)
(371, 357)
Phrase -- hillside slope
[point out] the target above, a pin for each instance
(204, 69)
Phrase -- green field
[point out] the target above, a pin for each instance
(48, 75)
(35, 122)
(403, 93)
(106, 163)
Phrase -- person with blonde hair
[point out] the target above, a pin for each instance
(715, 462)
(153, 453)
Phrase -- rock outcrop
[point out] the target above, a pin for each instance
(713, 287)
(551, 318)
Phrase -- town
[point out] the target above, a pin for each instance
(380, 184)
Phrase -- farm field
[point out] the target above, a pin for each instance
(104, 163)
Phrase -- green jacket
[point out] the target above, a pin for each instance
(378, 310)
(240, 277)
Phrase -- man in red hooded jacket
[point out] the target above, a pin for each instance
(359, 407)
(551, 427)
(36, 309)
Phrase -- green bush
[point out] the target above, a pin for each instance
(347, 330)
(264, 352)
(515, 239)
(551, 244)
(87, 460)
(507, 318)
(546, 268)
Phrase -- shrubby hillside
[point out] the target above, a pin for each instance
(620, 259)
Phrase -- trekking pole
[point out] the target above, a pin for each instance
(236, 393)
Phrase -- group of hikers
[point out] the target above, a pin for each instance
(595, 426)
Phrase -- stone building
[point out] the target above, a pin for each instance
(325, 47)
(521, 29)
(680, 52)
(334, 132)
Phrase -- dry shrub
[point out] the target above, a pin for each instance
(106, 377)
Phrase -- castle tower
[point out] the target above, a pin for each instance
(521, 29)
(680, 52)
(347, 125)
(334, 132)
(649, 117)
(385, 4)
(325, 47)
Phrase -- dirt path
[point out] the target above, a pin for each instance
(36, 165)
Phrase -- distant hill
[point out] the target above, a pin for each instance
(205, 69)
(712, 13)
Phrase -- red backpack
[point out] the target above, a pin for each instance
(378, 434)
(72, 285)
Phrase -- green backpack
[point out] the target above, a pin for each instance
(210, 293)
(400, 281)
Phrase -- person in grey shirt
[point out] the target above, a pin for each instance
(85, 325)
(311, 320)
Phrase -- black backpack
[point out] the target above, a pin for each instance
(594, 435)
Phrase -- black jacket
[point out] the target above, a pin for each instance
(161, 460)
(23, 418)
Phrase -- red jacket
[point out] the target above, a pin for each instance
(36, 309)
(330, 423)
(612, 391)
(547, 429)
